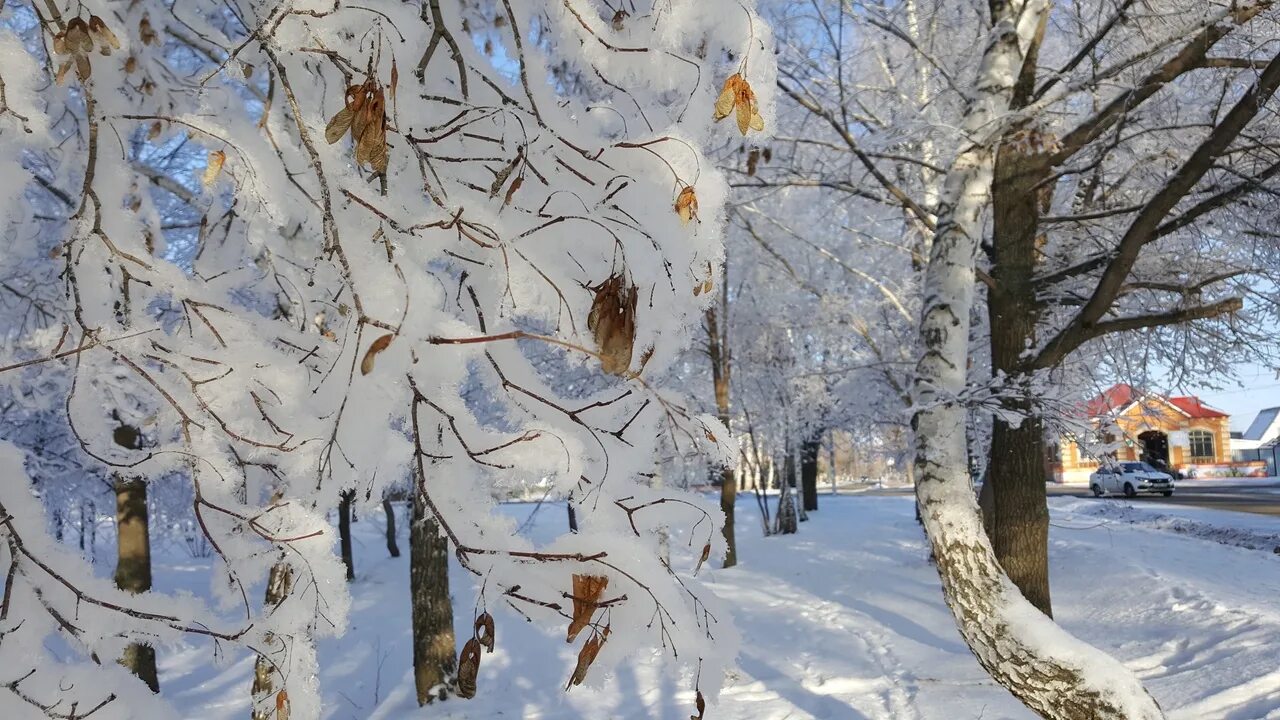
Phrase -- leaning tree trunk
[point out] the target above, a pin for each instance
(1051, 672)
(434, 651)
(344, 531)
(133, 567)
(809, 471)
(265, 673)
(389, 510)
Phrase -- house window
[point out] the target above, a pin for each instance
(1201, 444)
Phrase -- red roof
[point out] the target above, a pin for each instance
(1192, 406)
(1113, 398)
(1117, 397)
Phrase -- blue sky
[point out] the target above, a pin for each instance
(1259, 388)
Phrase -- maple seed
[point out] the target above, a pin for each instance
(468, 668)
(706, 553)
(484, 631)
(687, 205)
(738, 96)
(102, 34)
(282, 705)
(587, 590)
(377, 346)
(613, 320)
(701, 705)
(216, 159)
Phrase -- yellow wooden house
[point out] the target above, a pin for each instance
(1175, 433)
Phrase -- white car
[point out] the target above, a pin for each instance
(1130, 478)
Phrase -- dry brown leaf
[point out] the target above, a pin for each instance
(468, 668)
(706, 553)
(687, 205)
(587, 590)
(511, 191)
(282, 705)
(737, 95)
(377, 346)
(613, 321)
(484, 631)
(214, 166)
(701, 705)
(586, 656)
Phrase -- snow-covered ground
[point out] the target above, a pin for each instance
(844, 620)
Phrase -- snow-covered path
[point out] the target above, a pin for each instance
(844, 620)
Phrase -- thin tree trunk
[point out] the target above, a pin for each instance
(809, 471)
(1051, 672)
(133, 567)
(434, 649)
(344, 531)
(265, 674)
(390, 511)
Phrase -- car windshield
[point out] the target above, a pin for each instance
(1137, 467)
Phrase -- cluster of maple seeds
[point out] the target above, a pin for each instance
(78, 41)
(365, 115)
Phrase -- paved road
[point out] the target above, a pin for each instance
(1263, 500)
(1251, 498)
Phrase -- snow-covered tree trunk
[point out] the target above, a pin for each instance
(721, 369)
(1050, 671)
(267, 682)
(434, 660)
(133, 567)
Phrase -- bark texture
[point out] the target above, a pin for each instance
(1015, 509)
(434, 649)
(133, 567)
(1051, 672)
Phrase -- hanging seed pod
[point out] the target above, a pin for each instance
(687, 205)
(737, 95)
(468, 668)
(613, 321)
(78, 40)
(102, 35)
(370, 355)
(484, 631)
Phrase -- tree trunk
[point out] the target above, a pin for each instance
(1051, 672)
(389, 510)
(344, 531)
(434, 650)
(717, 349)
(265, 673)
(133, 567)
(1016, 511)
(809, 471)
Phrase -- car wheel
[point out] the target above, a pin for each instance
(1097, 490)
(1129, 491)
(1167, 493)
